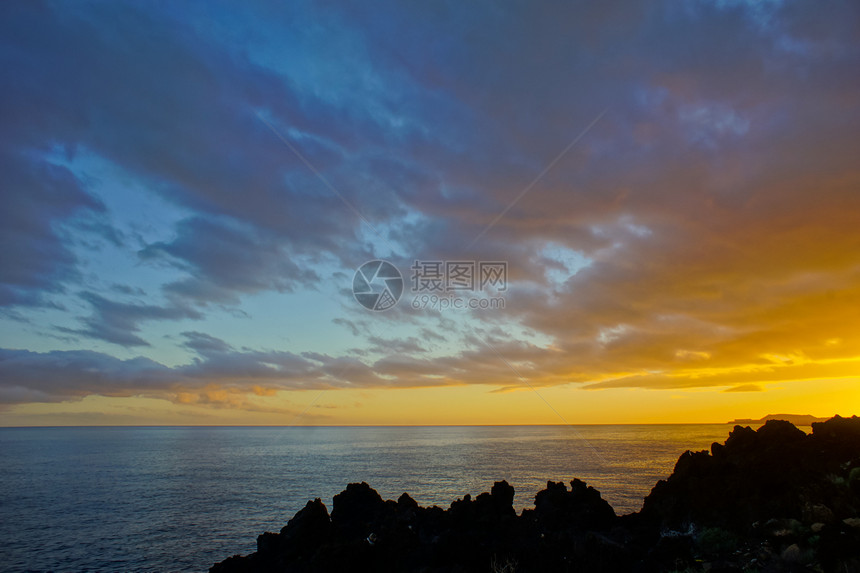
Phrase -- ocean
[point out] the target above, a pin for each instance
(183, 498)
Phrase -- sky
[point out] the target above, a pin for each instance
(189, 189)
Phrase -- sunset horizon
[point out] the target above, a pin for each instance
(293, 216)
(464, 287)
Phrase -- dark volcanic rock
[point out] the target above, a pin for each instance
(310, 525)
(366, 533)
(770, 500)
(580, 508)
(775, 472)
(356, 508)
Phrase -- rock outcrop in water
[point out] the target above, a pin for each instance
(770, 500)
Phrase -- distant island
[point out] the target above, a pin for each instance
(796, 419)
(770, 500)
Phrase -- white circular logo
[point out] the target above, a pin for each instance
(377, 285)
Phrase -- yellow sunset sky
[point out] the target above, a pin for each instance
(190, 197)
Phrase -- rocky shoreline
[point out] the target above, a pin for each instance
(767, 500)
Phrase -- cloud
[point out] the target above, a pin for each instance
(220, 376)
(350, 325)
(745, 388)
(193, 135)
(224, 259)
(63, 375)
(118, 322)
(37, 198)
(204, 344)
(710, 214)
(410, 344)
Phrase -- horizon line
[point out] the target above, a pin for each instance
(749, 422)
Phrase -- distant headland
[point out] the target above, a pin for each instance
(796, 419)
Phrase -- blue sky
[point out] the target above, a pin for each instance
(189, 187)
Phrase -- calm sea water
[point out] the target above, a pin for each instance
(180, 499)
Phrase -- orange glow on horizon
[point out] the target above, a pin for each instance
(459, 405)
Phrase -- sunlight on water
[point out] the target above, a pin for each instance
(181, 499)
